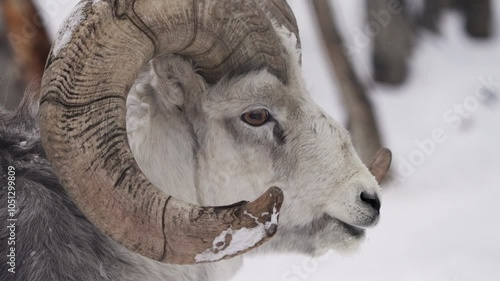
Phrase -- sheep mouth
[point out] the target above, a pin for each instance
(350, 229)
(353, 230)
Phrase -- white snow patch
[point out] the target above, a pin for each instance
(274, 218)
(239, 240)
(70, 23)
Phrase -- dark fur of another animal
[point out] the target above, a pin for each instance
(54, 240)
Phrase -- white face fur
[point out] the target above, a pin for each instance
(195, 142)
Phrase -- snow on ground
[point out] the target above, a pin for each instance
(440, 217)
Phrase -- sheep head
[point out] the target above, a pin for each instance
(228, 141)
(88, 75)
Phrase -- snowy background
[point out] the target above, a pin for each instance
(440, 214)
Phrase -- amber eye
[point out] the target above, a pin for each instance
(257, 117)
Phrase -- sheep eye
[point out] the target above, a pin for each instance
(257, 117)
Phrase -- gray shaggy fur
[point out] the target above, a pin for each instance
(54, 241)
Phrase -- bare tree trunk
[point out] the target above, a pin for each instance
(478, 17)
(362, 125)
(393, 39)
(432, 13)
(11, 82)
(29, 41)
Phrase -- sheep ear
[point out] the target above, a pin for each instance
(381, 164)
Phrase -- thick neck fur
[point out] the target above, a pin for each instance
(163, 141)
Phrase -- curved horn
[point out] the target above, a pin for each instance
(82, 119)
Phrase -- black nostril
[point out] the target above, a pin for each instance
(371, 199)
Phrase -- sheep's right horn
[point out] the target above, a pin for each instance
(88, 75)
(381, 164)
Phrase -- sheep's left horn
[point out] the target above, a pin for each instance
(381, 164)
(82, 117)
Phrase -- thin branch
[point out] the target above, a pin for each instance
(392, 37)
(362, 125)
